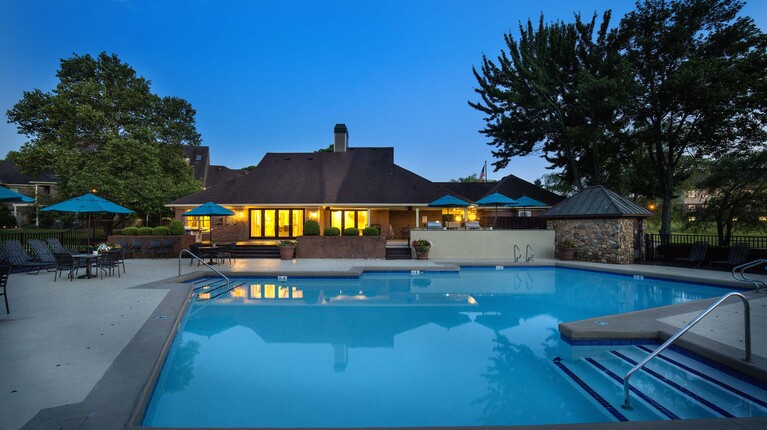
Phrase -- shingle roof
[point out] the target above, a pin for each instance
(199, 159)
(357, 176)
(596, 202)
(219, 174)
(10, 174)
(510, 186)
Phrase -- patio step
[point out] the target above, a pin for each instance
(671, 387)
(255, 251)
(398, 253)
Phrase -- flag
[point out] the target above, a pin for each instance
(483, 175)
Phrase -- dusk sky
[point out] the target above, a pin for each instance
(277, 76)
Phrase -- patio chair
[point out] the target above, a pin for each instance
(65, 261)
(121, 257)
(155, 248)
(5, 270)
(200, 253)
(17, 257)
(126, 249)
(108, 262)
(56, 246)
(43, 253)
(697, 254)
(137, 248)
(227, 252)
(737, 256)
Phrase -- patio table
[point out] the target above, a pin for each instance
(211, 251)
(89, 260)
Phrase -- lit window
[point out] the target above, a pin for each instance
(691, 219)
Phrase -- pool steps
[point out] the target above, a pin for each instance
(673, 387)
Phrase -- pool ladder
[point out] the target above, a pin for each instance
(528, 253)
(739, 273)
(228, 285)
(746, 321)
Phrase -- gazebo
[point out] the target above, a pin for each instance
(604, 226)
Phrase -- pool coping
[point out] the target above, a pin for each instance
(120, 397)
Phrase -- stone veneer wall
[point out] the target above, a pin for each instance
(597, 240)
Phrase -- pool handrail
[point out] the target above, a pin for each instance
(529, 257)
(746, 320)
(739, 273)
(228, 283)
(517, 253)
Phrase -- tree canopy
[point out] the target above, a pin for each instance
(103, 129)
(629, 107)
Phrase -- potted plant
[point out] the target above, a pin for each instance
(287, 249)
(566, 250)
(422, 247)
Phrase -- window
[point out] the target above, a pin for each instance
(524, 213)
(351, 218)
(273, 223)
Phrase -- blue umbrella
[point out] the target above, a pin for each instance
(209, 209)
(525, 201)
(88, 203)
(495, 199)
(7, 195)
(448, 201)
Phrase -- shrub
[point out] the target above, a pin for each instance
(176, 228)
(161, 231)
(370, 231)
(145, 231)
(286, 243)
(130, 231)
(332, 231)
(351, 231)
(311, 228)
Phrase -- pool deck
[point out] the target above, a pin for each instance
(79, 355)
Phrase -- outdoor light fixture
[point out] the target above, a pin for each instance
(651, 206)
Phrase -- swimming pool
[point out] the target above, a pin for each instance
(392, 349)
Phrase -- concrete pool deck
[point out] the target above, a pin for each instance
(78, 355)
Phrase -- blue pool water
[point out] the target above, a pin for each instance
(392, 349)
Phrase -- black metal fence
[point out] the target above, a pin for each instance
(75, 238)
(671, 246)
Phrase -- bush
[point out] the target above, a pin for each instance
(161, 231)
(145, 231)
(175, 228)
(311, 228)
(332, 231)
(130, 231)
(370, 231)
(351, 231)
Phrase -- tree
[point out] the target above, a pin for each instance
(558, 91)
(736, 189)
(102, 128)
(471, 178)
(699, 71)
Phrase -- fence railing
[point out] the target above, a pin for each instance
(77, 237)
(517, 223)
(664, 247)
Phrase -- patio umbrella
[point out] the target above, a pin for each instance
(496, 199)
(525, 201)
(209, 209)
(7, 195)
(448, 201)
(88, 204)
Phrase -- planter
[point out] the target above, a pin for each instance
(422, 253)
(567, 254)
(286, 252)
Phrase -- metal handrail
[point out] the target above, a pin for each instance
(228, 283)
(517, 253)
(738, 272)
(529, 257)
(746, 320)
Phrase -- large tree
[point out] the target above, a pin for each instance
(102, 128)
(699, 73)
(558, 91)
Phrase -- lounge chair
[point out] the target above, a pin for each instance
(56, 246)
(697, 254)
(15, 255)
(737, 256)
(5, 270)
(42, 252)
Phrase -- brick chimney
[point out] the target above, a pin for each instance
(341, 139)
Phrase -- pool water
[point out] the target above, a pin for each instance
(392, 349)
